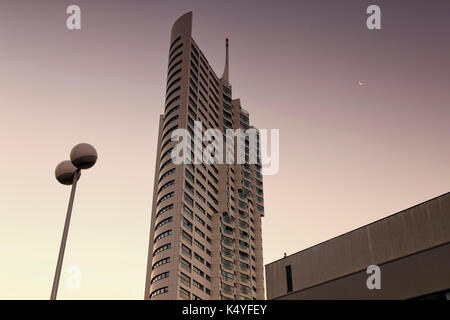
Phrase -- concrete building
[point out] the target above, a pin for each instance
(205, 237)
(412, 249)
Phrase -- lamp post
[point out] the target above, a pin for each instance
(82, 156)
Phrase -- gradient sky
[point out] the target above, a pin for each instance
(349, 154)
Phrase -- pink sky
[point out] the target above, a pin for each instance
(349, 154)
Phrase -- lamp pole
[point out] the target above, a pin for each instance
(62, 248)
(82, 156)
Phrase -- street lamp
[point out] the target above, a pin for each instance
(82, 156)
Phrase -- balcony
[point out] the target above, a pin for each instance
(243, 215)
(227, 252)
(228, 219)
(227, 264)
(227, 241)
(227, 289)
(227, 230)
(244, 278)
(243, 225)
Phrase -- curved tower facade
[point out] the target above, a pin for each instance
(205, 238)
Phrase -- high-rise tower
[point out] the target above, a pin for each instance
(205, 237)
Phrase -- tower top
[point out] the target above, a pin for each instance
(225, 72)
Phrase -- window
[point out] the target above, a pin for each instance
(212, 208)
(193, 94)
(159, 291)
(227, 107)
(174, 82)
(260, 200)
(199, 232)
(165, 164)
(173, 75)
(167, 196)
(175, 57)
(166, 208)
(194, 76)
(228, 241)
(169, 131)
(243, 225)
(227, 288)
(189, 187)
(174, 118)
(184, 294)
(188, 199)
(160, 276)
(174, 42)
(197, 284)
(165, 221)
(213, 188)
(289, 278)
(190, 176)
(194, 50)
(175, 50)
(227, 91)
(162, 248)
(187, 224)
(166, 144)
(188, 211)
(163, 235)
(185, 265)
(227, 264)
(242, 205)
(245, 277)
(201, 186)
(194, 63)
(171, 111)
(192, 103)
(200, 220)
(187, 237)
(245, 289)
(174, 66)
(199, 258)
(167, 174)
(227, 276)
(161, 262)
(200, 196)
(185, 279)
(186, 251)
(199, 245)
(212, 197)
(198, 271)
(243, 255)
(243, 234)
(244, 266)
(166, 185)
(227, 252)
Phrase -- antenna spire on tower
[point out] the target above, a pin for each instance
(225, 72)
